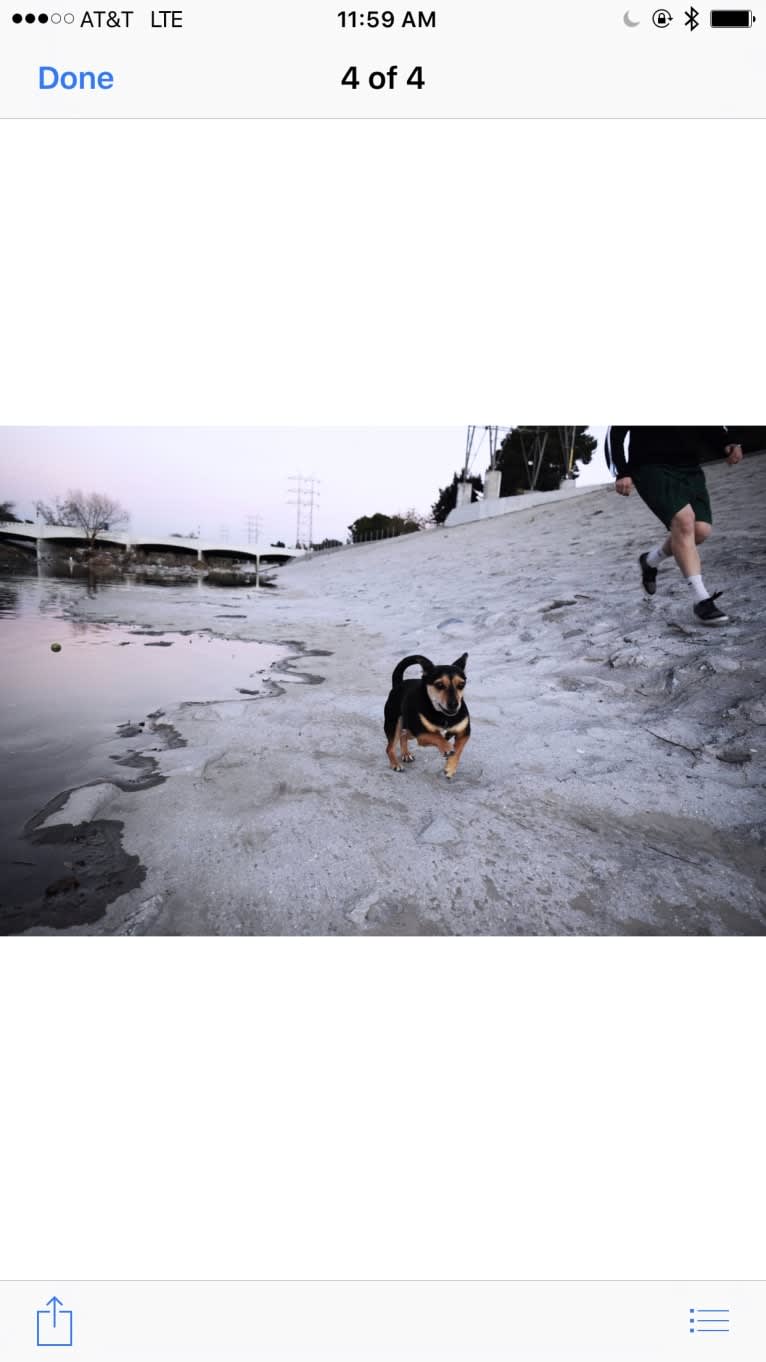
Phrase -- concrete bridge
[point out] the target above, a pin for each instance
(27, 535)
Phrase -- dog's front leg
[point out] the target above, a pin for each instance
(450, 766)
(434, 740)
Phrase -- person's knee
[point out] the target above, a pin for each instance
(702, 531)
(683, 522)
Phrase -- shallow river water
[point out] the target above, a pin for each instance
(67, 715)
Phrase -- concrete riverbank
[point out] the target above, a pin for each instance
(615, 781)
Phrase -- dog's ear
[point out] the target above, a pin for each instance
(460, 664)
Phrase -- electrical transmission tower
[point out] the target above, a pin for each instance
(533, 441)
(469, 439)
(568, 437)
(472, 449)
(536, 446)
(304, 495)
(538, 443)
(253, 525)
(494, 433)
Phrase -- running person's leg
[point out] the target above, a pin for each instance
(656, 557)
(679, 498)
(685, 534)
(657, 490)
(706, 611)
(683, 545)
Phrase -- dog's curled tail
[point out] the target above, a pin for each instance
(398, 672)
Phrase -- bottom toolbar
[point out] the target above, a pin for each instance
(384, 1321)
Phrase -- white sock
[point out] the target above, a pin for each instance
(656, 556)
(698, 589)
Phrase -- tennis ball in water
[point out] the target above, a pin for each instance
(55, 647)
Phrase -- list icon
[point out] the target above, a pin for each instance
(709, 1320)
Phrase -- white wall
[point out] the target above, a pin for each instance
(490, 506)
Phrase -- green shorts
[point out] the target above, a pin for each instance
(667, 488)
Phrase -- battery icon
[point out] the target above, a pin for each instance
(731, 18)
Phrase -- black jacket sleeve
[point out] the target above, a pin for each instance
(712, 441)
(614, 450)
(751, 438)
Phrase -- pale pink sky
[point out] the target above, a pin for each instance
(173, 479)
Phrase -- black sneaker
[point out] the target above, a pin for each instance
(648, 575)
(707, 611)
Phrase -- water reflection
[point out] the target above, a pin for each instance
(9, 599)
(71, 715)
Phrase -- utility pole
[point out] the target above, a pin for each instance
(304, 495)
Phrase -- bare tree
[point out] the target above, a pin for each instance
(92, 512)
(412, 517)
(51, 512)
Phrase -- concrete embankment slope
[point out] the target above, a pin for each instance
(615, 781)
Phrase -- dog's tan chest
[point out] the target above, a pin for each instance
(453, 731)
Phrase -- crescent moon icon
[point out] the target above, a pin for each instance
(630, 23)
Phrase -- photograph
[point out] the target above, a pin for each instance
(491, 680)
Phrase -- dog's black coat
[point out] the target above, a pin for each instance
(431, 704)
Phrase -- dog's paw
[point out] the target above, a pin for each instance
(408, 757)
(397, 768)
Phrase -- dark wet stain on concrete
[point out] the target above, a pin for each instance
(169, 735)
(100, 870)
(143, 761)
(285, 667)
(138, 761)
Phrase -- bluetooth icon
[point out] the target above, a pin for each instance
(692, 19)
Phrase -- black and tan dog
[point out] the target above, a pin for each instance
(431, 710)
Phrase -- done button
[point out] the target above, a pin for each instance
(50, 78)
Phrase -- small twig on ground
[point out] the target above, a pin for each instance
(674, 854)
(695, 751)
